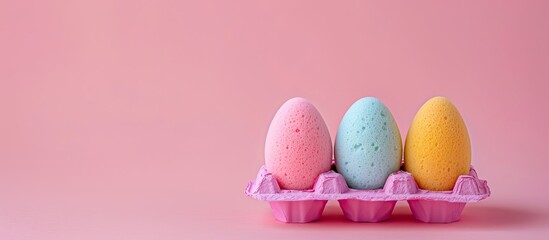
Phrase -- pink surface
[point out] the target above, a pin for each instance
(143, 120)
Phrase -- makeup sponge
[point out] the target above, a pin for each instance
(437, 149)
(298, 146)
(368, 147)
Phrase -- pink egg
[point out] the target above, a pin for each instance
(298, 146)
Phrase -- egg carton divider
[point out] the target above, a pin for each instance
(300, 206)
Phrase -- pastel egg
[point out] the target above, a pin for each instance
(437, 149)
(298, 146)
(368, 147)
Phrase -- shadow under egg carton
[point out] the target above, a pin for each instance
(301, 206)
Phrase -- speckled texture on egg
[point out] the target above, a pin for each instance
(298, 146)
(368, 147)
(437, 149)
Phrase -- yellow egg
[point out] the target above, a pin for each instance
(437, 149)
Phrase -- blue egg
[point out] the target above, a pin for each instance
(368, 147)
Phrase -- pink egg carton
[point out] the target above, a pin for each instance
(301, 206)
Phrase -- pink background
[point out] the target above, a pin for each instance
(146, 119)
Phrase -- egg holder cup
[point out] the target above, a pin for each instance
(301, 206)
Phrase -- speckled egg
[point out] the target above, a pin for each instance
(298, 146)
(437, 149)
(368, 147)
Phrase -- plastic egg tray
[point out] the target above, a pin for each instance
(301, 206)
